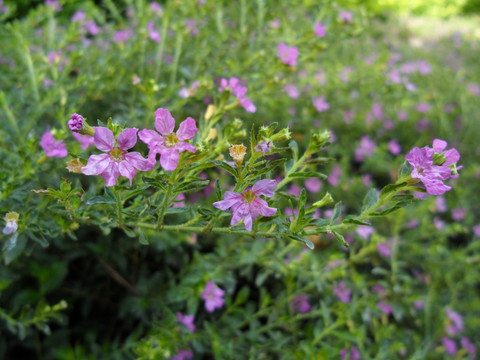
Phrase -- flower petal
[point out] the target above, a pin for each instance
(230, 199)
(247, 221)
(139, 162)
(164, 122)
(184, 146)
(260, 207)
(187, 129)
(96, 164)
(127, 138)
(439, 145)
(451, 156)
(265, 187)
(239, 212)
(169, 159)
(111, 174)
(127, 169)
(103, 138)
(150, 137)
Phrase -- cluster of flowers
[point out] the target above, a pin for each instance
(239, 90)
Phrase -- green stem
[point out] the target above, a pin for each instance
(294, 168)
(6, 109)
(119, 206)
(176, 58)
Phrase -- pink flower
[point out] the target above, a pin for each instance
(239, 90)
(334, 177)
(186, 320)
(456, 320)
(292, 91)
(320, 104)
(78, 16)
(152, 33)
(313, 185)
(300, 304)
(167, 143)
(450, 345)
(433, 165)
(54, 4)
(76, 122)
(385, 248)
(365, 149)
(365, 231)
(122, 36)
(345, 16)
(394, 147)
(51, 147)
(183, 354)
(116, 161)
(84, 140)
(469, 347)
(386, 309)
(92, 27)
(343, 293)
(213, 296)
(248, 205)
(287, 54)
(264, 147)
(458, 214)
(320, 29)
(476, 230)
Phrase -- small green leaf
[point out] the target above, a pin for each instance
(225, 166)
(218, 190)
(352, 219)
(304, 240)
(340, 238)
(13, 248)
(100, 200)
(404, 170)
(370, 200)
(391, 188)
(135, 192)
(141, 238)
(336, 212)
(177, 210)
(294, 147)
(191, 186)
(308, 174)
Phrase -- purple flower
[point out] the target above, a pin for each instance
(441, 204)
(385, 248)
(248, 205)
(474, 89)
(450, 345)
(186, 320)
(320, 29)
(320, 104)
(476, 230)
(456, 319)
(300, 304)
(76, 122)
(116, 161)
(469, 347)
(84, 140)
(239, 90)
(53, 4)
(343, 293)
(51, 147)
(11, 223)
(264, 147)
(419, 304)
(152, 33)
(334, 177)
(167, 143)
(122, 36)
(213, 296)
(423, 107)
(394, 147)
(365, 149)
(459, 213)
(345, 16)
(433, 165)
(292, 91)
(313, 185)
(92, 27)
(287, 54)
(191, 24)
(386, 309)
(183, 354)
(156, 7)
(78, 16)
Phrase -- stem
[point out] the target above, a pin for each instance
(119, 207)
(6, 109)
(178, 51)
(294, 168)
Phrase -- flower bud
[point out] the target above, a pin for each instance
(212, 134)
(210, 111)
(327, 199)
(282, 135)
(75, 166)
(319, 140)
(439, 159)
(79, 125)
(237, 152)
(11, 225)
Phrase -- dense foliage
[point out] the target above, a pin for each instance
(337, 247)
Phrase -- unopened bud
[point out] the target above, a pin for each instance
(438, 159)
(11, 219)
(327, 199)
(210, 111)
(212, 134)
(79, 125)
(320, 139)
(75, 166)
(282, 135)
(237, 152)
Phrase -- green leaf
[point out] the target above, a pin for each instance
(141, 238)
(319, 222)
(352, 219)
(191, 186)
(391, 188)
(404, 170)
(100, 200)
(319, 161)
(386, 211)
(135, 192)
(304, 240)
(218, 190)
(370, 200)
(177, 210)
(307, 174)
(225, 166)
(336, 212)
(158, 183)
(340, 238)
(253, 142)
(294, 147)
(13, 248)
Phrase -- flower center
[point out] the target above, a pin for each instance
(170, 140)
(248, 197)
(117, 154)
